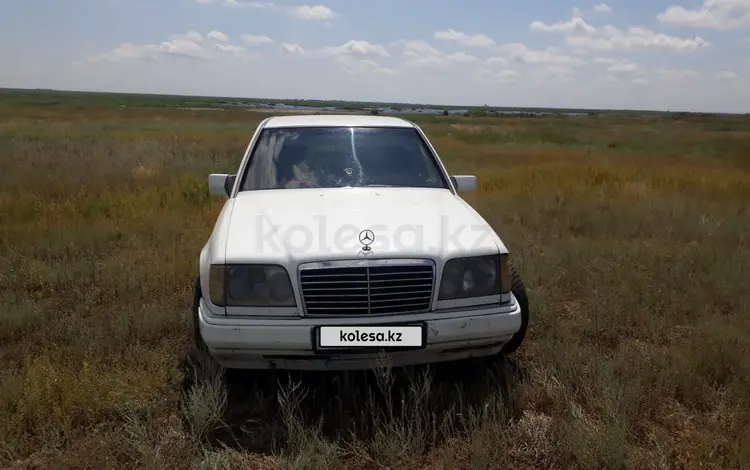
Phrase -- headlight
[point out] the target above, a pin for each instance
(250, 286)
(478, 276)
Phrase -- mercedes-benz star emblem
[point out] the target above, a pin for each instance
(366, 237)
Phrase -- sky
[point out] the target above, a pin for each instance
(678, 55)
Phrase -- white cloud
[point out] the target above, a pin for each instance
(460, 58)
(471, 40)
(509, 75)
(313, 13)
(611, 79)
(189, 36)
(576, 24)
(555, 73)
(301, 12)
(229, 48)
(496, 61)
(727, 75)
(578, 51)
(714, 14)
(417, 48)
(623, 67)
(582, 35)
(502, 76)
(421, 54)
(606, 60)
(641, 81)
(522, 53)
(292, 48)
(191, 45)
(353, 57)
(598, 8)
(252, 40)
(357, 47)
(610, 38)
(218, 36)
(356, 66)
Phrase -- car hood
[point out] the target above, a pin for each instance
(301, 225)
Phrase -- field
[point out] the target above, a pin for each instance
(631, 231)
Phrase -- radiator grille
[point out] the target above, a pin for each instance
(367, 289)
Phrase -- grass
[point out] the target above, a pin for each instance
(631, 231)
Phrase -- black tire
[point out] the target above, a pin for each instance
(200, 346)
(519, 291)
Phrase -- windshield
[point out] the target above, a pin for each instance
(335, 157)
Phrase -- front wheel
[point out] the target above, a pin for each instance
(519, 291)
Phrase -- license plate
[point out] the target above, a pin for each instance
(366, 337)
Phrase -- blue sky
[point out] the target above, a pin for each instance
(658, 54)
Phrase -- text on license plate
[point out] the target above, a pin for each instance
(371, 336)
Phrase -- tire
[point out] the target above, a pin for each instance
(200, 346)
(519, 291)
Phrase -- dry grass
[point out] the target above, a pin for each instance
(631, 232)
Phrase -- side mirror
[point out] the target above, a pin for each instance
(464, 183)
(220, 184)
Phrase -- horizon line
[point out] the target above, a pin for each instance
(405, 104)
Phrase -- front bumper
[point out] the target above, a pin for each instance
(262, 343)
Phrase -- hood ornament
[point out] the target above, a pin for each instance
(366, 237)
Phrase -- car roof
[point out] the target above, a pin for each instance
(335, 120)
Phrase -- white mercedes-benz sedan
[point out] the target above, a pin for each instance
(343, 243)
